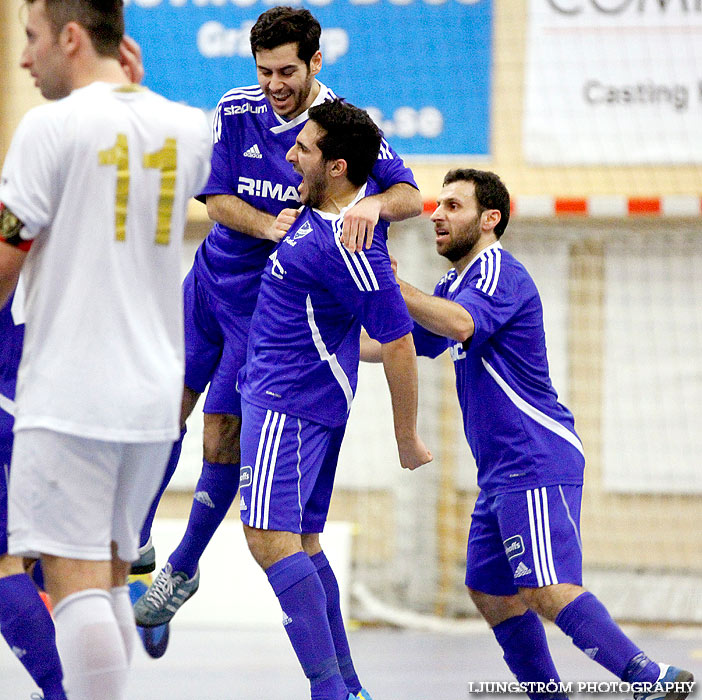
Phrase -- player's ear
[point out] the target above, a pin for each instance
(490, 218)
(338, 167)
(316, 63)
(70, 38)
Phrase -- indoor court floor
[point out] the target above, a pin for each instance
(244, 664)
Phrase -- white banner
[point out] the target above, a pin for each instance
(613, 82)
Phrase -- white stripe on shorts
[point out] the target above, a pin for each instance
(539, 527)
(271, 471)
(268, 444)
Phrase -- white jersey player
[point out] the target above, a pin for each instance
(94, 194)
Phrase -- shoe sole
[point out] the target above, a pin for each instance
(143, 569)
(149, 625)
(682, 677)
(155, 644)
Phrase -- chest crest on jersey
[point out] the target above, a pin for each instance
(300, 233)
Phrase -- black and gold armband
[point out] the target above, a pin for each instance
(10, 227)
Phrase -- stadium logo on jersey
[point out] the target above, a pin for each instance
(266, 188)
(245, 477)
(300, 233)
(514, 546)
(242, 109)
(253, 152)
(521, 570)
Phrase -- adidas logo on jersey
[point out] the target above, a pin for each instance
(242, 504)
(592, 652)
(286, 619)
(521, 570)
(204, 498)
(253, 152)
(19, 653)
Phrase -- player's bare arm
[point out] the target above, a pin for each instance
(399, 202)
(130, 59)
(233, 212)
(400, 365)
(437, 315)
(371, 350)
(13, 251)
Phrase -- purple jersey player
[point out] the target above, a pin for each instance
(252, 196)
(25, 622)
(299, 380)
(524, 556)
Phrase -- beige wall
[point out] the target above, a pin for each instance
(19, 93)
(510, 25)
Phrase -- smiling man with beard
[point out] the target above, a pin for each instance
(252, 199)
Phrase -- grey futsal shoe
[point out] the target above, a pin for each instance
(166, 594)
(146, 562)
(673, 684)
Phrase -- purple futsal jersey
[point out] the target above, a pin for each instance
(520, 435)
(302, 366)
(304, 343)
(248, 160)
(11, 336)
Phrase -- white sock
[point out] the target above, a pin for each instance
(122, 607)
(91, 648)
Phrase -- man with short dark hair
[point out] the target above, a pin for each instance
(252, 196)
(524, 555)
(300, 377)
(93, 199)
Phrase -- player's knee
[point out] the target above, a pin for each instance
(548, 601)
(270, 546)
(190, 399)
(221, 438)
(310, 543)
(496, 609)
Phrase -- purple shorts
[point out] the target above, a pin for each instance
(215, 347)
(525, 539)
(288, 466)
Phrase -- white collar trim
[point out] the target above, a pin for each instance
(458, 279)
(330, 217)
(284, 124)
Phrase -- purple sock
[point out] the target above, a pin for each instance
(301, 595)
(336, 622)
(170, 470)
(523, 641)
(586, 621)
(27, 627)
(213, 497)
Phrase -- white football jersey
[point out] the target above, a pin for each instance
(101, 180)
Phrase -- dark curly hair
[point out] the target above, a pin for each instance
(287, 25)
(350, 134)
